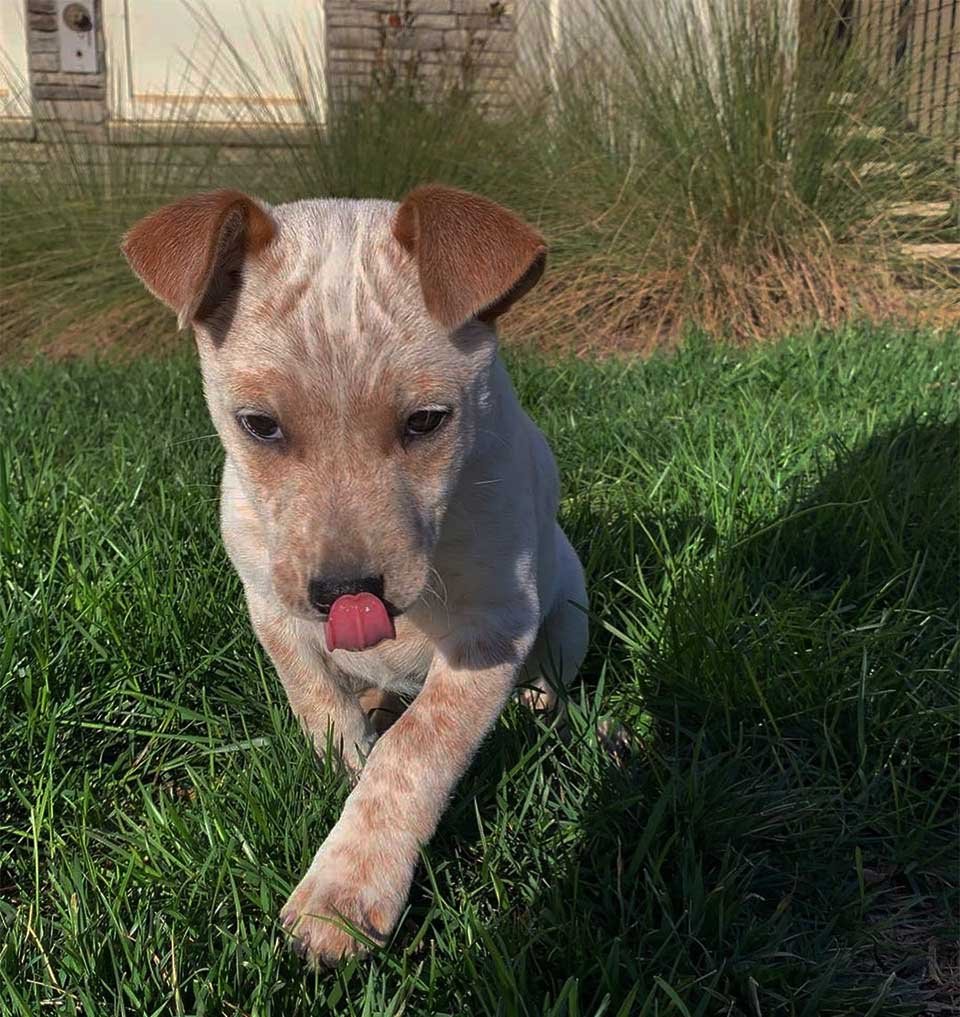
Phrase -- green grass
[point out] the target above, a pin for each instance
(771, 539)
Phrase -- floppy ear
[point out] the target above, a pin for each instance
(474, 257)
(190, 254)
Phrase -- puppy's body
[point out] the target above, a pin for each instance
(336, 320)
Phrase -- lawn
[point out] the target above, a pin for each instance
(771, 542)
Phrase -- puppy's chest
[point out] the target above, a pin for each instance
(397, 665)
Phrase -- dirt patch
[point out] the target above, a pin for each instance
(913, 943)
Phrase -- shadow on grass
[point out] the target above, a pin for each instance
(795, 811)
(877, 512)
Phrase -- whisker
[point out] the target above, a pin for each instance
(196, 437)
(440, 594)
(493, 434)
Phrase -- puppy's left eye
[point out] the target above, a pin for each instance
(260, 426)
(426, 421)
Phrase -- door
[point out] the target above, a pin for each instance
(218, 61)
(14, 83)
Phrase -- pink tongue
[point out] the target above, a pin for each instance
(357, 622)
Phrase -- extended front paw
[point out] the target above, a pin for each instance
(338, 909)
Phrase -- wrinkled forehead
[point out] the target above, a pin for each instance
(339, 264)
(337, 303)
(337, 282)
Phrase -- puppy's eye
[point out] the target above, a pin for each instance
(260, 426)
(426, 421)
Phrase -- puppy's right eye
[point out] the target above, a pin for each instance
(260, 426)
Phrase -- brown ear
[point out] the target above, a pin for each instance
(475, 258)
(190, 254)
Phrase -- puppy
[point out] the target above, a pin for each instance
(388, 505)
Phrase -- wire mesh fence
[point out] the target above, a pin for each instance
(915, 46)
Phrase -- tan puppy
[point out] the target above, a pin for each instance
(387, 503)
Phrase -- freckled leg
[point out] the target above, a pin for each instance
(363, 871)
(324, 709)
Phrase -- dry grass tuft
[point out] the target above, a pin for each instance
(598, 307)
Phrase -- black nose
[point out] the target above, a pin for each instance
(324, 590)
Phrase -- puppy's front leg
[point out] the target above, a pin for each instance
(324, 709)
(363, 871)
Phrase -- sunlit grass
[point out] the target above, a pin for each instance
(770, 542)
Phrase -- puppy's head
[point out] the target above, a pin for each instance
(346, 349)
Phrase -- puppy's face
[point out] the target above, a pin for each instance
(345, 409)
(346, 351)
